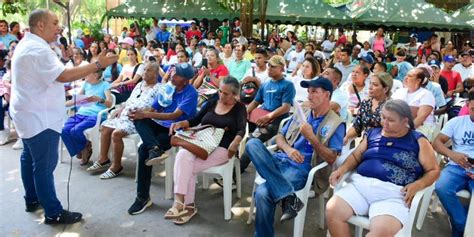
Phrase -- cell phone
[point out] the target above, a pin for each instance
(204, 62)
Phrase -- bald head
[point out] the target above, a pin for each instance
(45, 24)
(38, 15)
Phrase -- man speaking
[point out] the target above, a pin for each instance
(38, 109)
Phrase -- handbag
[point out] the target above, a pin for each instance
(129, 87)
(200, 140)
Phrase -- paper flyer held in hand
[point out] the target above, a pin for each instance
(298, 116)
(81, 100)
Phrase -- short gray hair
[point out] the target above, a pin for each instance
(37, 16)
(233, 83)
(154, 66)
(401, 108)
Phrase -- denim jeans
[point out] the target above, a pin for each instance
(38, 161)
(73, 132)
(272, 130)
(282, 179)
(453, 179)
(152, 134)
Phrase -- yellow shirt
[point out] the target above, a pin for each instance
(248, 55)
(123, 57)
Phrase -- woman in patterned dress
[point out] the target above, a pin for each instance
(368, 115)
(119, 126)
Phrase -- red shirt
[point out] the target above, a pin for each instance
(191, 33)
(452, 77)
(341, 41)
(219, 71)
(87, 41)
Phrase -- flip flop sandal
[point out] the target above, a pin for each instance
(97, 166)
(185, 219)
(109, 174)
(174, 212)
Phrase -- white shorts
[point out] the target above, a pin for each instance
(373, 197)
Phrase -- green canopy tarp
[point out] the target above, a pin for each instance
(403, 13)
(179, 9)
(466, 14)
(306, 12)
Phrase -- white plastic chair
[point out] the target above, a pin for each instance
(226, 171)
(426, 201)
(302, 194)
(93, 134)
(362, 222)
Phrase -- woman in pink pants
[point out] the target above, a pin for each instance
(227, 113)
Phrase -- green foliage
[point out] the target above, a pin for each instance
(13, 7)
(94, 27)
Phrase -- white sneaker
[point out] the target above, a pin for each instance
(18, 144)
(4, 134)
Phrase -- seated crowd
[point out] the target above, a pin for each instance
(330, 95)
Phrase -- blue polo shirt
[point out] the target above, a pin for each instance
(185, 100)
(163, 36)
(272, 94)
(304, 146)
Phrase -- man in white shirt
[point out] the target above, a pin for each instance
(339, 98)
(240, 38)
(38, 108)
(459, 173)
(345, 66)
(465, 68)
(227, 54)
(258, 74)
(295, 57)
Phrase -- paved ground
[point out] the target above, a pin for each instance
(104, 204)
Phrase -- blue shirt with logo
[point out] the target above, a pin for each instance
(304, 146)
(185, 100)
(272, 94)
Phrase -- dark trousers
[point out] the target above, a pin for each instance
(152, 134)
(268, 132)
(38, 161)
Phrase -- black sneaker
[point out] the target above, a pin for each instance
(32, 206)
(290, 206)
(155, 156)
(139, 206)
(65, 217)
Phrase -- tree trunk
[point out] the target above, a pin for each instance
(246, 15)
(263, 16)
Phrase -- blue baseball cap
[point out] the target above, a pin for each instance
(367, 58)
(319, 82)
(184, 70)
(433, 63)
(449, 59)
